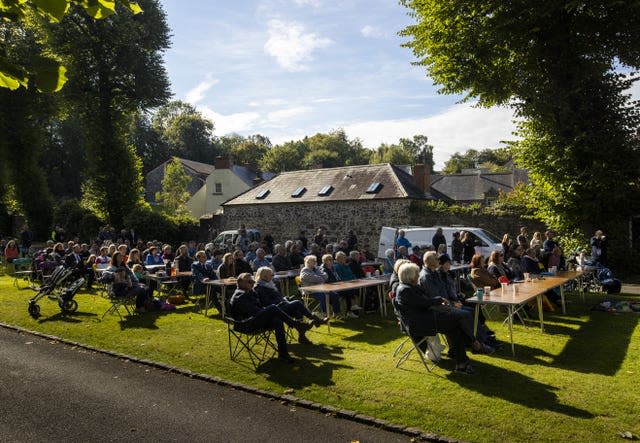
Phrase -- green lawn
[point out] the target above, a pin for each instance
(577, 382)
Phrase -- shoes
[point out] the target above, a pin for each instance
(481, 348)
(317, 321)
(352, 314)
(356, 308)
(286, 358)
(338, 317)
(303, 327)
(489, 331)
(466, 369)
(303, 340)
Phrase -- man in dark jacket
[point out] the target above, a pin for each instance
(245, 305)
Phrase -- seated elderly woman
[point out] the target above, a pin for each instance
(480, 277)
(245, 307)
(311, 275)
(268, 294)
(426, 316)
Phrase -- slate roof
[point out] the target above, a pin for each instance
(247, 175)
(349, 183)
(202, 169)
(471, 187)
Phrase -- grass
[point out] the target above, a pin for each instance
(578, 381)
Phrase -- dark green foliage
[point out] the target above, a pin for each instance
(406, 152)
(153, 225)
(76, 221)
(492, 159)
(23, 115)
(183, 132)
(116, 70)
(554, 62)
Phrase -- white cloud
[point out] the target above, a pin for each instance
(369, 31)
(313, 3)
(268, 102)
(459, 128)
(226, 124)
(282, 117)
(196, 94)
(291, 46)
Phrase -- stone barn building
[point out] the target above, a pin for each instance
(363, 198)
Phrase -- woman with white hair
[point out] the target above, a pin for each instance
(268, 295)
(311, 275)
(426, 316)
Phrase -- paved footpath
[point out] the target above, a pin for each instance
(52, 392)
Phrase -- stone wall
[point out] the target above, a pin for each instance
(284, 221)
(366, 218)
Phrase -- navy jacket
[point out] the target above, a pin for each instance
(416, 311)
(244, 305)
(267, 296)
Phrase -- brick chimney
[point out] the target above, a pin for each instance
(421, 177)
(222, 162)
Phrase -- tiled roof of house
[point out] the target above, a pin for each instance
(344, 183)
(247, 175)
(202, 169)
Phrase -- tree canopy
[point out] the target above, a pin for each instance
(558, 64)
(492, 159)
(41, 70)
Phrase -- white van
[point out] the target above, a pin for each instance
(221, 239)
(419, 236)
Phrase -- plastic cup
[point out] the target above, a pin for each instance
(480, 294)
(527, 276)
(487, 290)
(377, 272)
(368, 274)
(504, 288)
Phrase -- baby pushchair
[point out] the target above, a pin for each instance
(55, 289)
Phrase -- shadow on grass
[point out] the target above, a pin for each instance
(600, 345)
(148, 319)
(315, 368)
(374, 330)
(516, 388)
(67, 318)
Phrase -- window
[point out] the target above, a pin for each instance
(262, 194)
(217, 188)
(374, 188)
(298, 192)
(326, 190)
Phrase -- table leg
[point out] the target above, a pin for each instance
(381, 301)
(540, 312)
(206, 299)
(223, 303)
(510, 314)
(327, 304)
(476, 315)
(564, 308)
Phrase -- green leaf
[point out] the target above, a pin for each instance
(53, 10)
(9, 81)
(134, 7)
(50, 77)
(99, 9)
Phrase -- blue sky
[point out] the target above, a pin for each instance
(290, 68)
